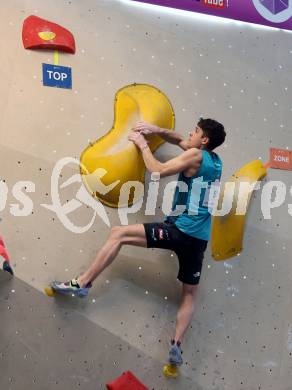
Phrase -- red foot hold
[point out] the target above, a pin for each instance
(127, 381)
(41, 34)
(4, 254)
(3, 251)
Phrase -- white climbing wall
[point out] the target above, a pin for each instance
(241, 336)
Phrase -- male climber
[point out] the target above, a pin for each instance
(186, 234)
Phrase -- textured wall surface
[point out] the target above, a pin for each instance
(241, 336)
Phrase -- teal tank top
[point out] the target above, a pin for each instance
(194, 195)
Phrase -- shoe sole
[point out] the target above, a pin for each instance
(62, 291)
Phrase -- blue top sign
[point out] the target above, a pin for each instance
(57, 76)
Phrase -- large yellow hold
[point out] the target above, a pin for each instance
(228, 230)
(114, 160)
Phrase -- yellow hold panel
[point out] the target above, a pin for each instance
(114, 160)
(228, 230)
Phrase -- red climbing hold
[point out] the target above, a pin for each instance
(39, 33)
(127, 381)
(3, 251)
